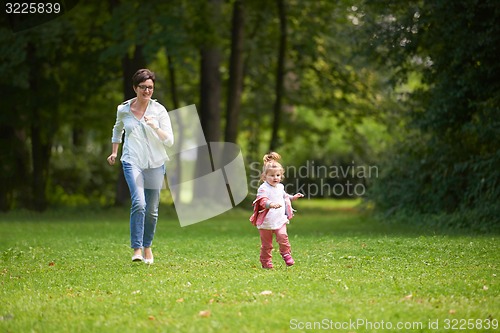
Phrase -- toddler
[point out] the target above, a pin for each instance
(272, 211)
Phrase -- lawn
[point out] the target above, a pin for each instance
(71, 272)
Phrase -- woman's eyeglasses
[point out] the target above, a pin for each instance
(143, 87)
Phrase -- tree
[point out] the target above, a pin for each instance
(235, 85)
(280, 75)
(301, 74)
(210, 80)
(38, 110)
(454, 110)
(129, 66)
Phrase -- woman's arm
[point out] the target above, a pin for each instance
(162, 134)
(165, 131)
(116, 139)
(162, 126)
(114, 153)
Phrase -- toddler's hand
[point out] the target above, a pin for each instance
(298, 195)
(274, 205)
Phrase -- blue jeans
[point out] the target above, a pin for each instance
(144, 186)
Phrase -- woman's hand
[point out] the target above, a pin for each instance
(114, 152)
(112, 159)
(150, 121)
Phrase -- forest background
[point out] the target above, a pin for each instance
(407, 89)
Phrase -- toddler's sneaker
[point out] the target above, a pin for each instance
(267, 265)
(288, 259)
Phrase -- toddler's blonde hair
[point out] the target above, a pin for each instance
(271, 163)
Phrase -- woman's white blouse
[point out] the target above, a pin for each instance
(143, 147)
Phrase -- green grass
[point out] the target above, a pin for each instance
(71, 272)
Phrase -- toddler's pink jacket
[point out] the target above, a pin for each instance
(260, 208)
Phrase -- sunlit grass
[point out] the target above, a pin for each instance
(72, 273)
(328, 204)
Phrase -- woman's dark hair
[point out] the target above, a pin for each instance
(142, 75)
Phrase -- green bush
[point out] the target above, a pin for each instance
(428, 181)
(79, 177)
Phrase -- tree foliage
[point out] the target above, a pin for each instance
(410, 87)
(448, 162)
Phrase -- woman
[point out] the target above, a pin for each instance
(147, 132)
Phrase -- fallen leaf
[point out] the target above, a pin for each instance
(151, 318)
(204, 313)
(485, 287)
(8, 316)
(180, 300)
(408, 296)
(452, 311)
(52, 263)
(266, 292)
(136, 292)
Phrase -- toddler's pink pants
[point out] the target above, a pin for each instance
(266, 238)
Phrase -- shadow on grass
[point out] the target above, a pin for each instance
(319, 222)
(313, 218)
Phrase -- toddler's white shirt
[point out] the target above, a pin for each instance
(275, 217)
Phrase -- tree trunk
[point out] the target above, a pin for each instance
(14, 173)
(210, 82)
(179, 135)
(6, 169)
(173, 82)
(235, 73)
(41, 136)
(129, 67)
(210, 93)
(280, 74)
(40, 154)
